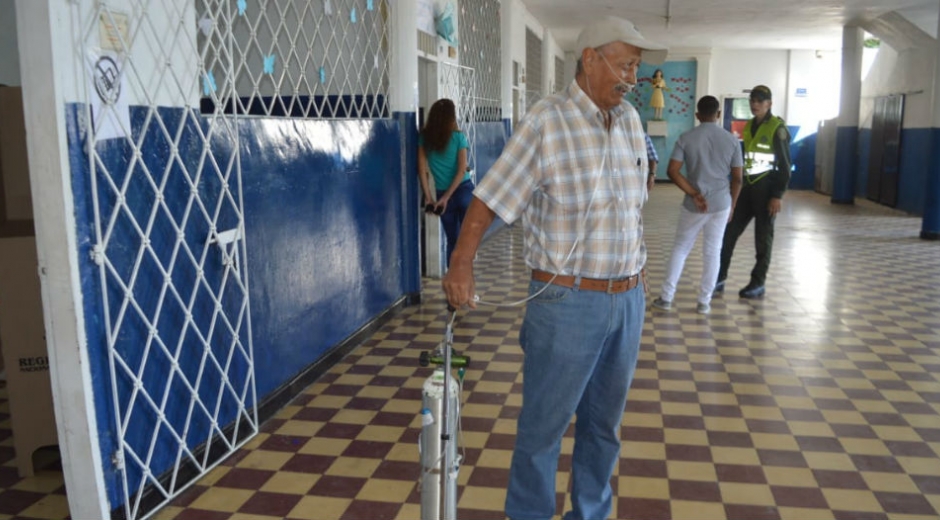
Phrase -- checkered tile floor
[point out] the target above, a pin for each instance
(821, 401)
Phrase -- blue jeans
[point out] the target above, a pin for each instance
(581, 351)
(452, 218)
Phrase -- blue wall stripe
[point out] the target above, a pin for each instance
(912, 175)
(411, 262)
(843, 182)
(931, 224)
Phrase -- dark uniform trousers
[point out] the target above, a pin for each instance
(752, 204)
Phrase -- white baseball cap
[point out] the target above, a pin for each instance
(612, 29)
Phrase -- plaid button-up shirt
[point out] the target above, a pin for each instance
(571, 180)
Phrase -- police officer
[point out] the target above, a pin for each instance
(766, 175)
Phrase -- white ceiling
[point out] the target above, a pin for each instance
(731, 24)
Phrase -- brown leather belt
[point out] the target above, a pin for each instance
(613, 286)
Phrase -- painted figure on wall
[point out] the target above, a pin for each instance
(657, 99)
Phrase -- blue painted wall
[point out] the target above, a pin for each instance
(679, 112)
(489, 141)
(331, 244)
(913, 171)
(803, 157)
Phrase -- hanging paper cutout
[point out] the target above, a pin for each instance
(328, 8)
(208, 84)
(444, 24)
(352, 15)
(205, 25)
(242, 5)
(322, 75)
(370, 5)
(269, 64)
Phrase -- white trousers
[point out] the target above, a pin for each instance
(712, 226)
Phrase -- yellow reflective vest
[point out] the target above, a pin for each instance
(759, 158)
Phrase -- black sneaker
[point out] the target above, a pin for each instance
(752, 292)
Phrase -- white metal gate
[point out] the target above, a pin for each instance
(169, 223)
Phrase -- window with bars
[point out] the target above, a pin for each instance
(480, 51)
(559, 74)
(296, 58)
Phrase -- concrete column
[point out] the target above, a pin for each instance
(846, 165)
(49, 49)
(404, 73)
(930, 229)
(506, 21)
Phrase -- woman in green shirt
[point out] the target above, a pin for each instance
(442, 155)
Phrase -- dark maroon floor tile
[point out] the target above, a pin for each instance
(756, 400)
(857, 515)
(884, 419)
(489, 477)
(721, 410)
(283, 443)
(303, 463)
(502, 377)
(636, 406)
(366, 403)
(742, 512)
(333, 486)
(392, 381)
(839, 479)
(244, 478)
(486, 398)
(730, 439)
(683, 422)
(500, 441)
(340, 430)
(8, 476)
(643, 468)
(914, 408)
(788, 390)
(786, 458)
(858, 431)
(880, 463)
(270, 504)
(928, 485)
(787, 496)
(478, 514)
(397, 470)
(272, 425)
(688, 453)
(669, 396)
(766, 426)
(904, 503)
(477, 424)
(910, 449)
(202, 514)
(343, 390)
(368, 449)
(834, 404)
(643, 509)
(799, 414)
(512, 412)
(826, 444)
(642, 434)
(408, 394)
(740, 473)
(12, 501)
(362, 509)
(694, 490)
(315, 414)
(710, 386)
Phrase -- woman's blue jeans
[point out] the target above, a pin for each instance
(452, 218)
(581, 351)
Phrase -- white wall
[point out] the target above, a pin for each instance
(9, 51)
(734, 71)
(909, 72)
(819, 73)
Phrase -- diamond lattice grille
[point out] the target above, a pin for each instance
(169, 231)
(317, 59)
(480, 51)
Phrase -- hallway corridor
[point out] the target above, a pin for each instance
(821, 401)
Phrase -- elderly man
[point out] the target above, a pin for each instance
(575, 171)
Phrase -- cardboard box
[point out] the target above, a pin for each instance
(24, 350)
(16, 203)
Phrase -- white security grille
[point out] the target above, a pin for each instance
(533, 68)
(459, 84)
(169, 239)
(302, 58)
(559, 75)
(480, 51)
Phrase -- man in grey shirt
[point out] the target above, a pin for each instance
(710, 153)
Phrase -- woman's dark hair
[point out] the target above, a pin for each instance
(658, 71)
(442, 120)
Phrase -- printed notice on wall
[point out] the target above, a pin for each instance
(110, 114)
(112, 31)
(425, 10)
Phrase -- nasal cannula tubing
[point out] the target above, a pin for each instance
(582, 231)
